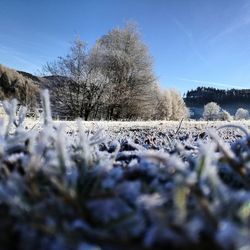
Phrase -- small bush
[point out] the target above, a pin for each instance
(225, 116)
(242, 114)
(211, 111)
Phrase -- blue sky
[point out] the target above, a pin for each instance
(193, 42)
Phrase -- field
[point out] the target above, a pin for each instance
(111, 128)
(124, 185)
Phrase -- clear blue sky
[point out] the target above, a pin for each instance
(193, 42)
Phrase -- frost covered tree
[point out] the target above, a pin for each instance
(242, 114)
(78, 84)
(170, 106)
(179, 109)
(211, 111)
(163, 109)
(125, 60)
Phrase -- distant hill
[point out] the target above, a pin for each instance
(27, 75)
(229, 100)
(15, 85)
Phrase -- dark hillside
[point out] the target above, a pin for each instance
(202, 96)
(229, 100)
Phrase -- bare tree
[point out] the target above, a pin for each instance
(77, 84)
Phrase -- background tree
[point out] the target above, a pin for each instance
(124, 59)
(242, 114)
(170, 106)
(78, 84)
(163, 109)
(211, 111)
(179, 109)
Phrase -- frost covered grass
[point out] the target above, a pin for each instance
(119, 185)
(192, 124)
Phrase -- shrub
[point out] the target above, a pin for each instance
(242, 114)
(225, 116)
(211, 111)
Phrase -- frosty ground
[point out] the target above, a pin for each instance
(117, 126)
(124, 185)
(191, 129)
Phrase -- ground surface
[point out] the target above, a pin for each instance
(189, 131)
(125, 185)
(119, 126)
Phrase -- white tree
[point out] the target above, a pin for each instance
(242, 114)
(179, 109)
(163, 109)
(125, 60)
(170, 106)
(211, 111)
(225, 116)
